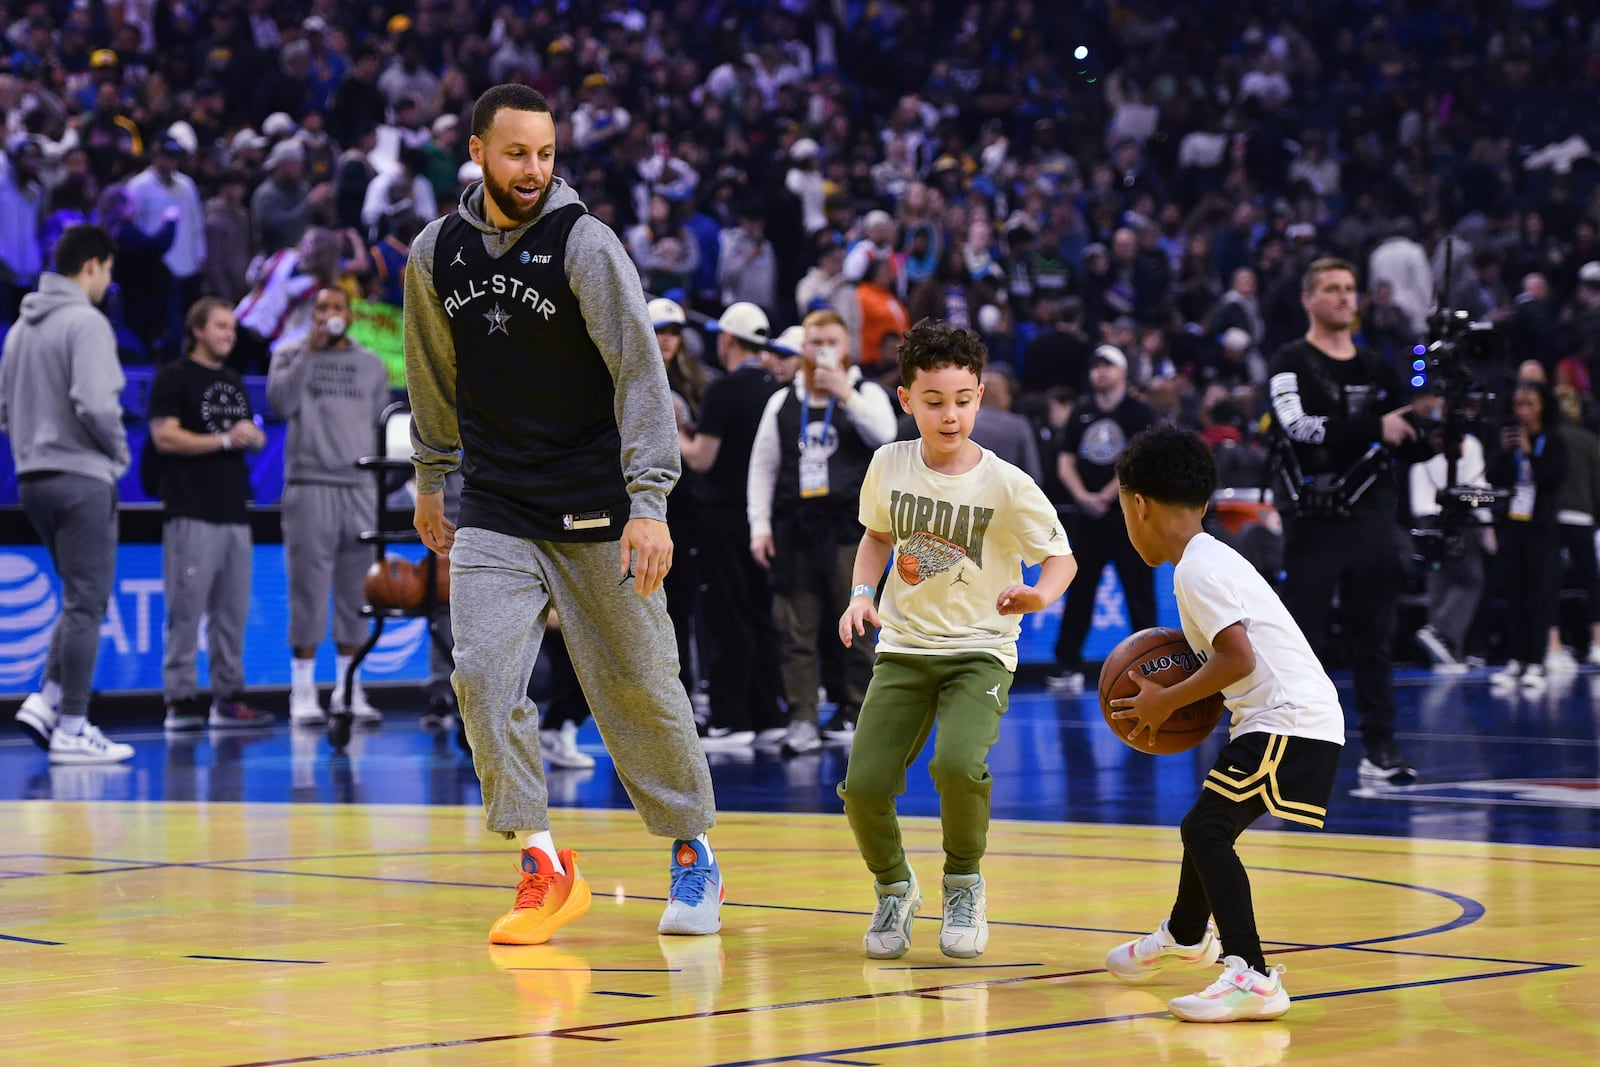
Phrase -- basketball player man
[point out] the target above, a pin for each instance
(532, 364)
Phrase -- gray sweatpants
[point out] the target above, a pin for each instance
(205, 568)
(322, 547)
(76, 519)
(626, 658)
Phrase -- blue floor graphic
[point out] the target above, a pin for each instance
(1510, 768)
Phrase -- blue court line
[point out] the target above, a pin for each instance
(961, 967)
(589, 1032)
(601, 970)
(812, 1057)
(252, 959)
(28, 940)
(1471, 910)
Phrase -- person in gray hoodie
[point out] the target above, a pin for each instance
(60, 384)
(332, 392)
(532, 365)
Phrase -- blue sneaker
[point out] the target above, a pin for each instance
(695, 904)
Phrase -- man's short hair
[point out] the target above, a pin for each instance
(825, 317)
(78, 245)
(501, 97)
(1319, 267)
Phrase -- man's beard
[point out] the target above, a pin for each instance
(506, 201)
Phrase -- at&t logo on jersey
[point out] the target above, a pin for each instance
(28, 607)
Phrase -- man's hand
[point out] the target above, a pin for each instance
(762, 550)
(1094, 504)
(829, 381)
(1396, 430)
(246, 436)
(646, 554)
(438, 532)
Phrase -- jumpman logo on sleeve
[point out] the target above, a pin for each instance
(995, 692)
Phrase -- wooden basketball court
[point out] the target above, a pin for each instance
(236, 933)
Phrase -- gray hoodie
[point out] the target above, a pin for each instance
(61, 385)
(609, 294)
(332, 399)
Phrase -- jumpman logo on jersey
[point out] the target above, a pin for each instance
(961, 577)
(497, 320)
(995, 692)
(458, 261)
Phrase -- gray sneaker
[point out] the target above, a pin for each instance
(889, 936)
(802, 737)
(965, 933)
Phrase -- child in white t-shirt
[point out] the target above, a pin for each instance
(1284, 739)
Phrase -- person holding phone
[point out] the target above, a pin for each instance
(332, 392)
(811, 452)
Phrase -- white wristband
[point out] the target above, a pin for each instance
(868, 591)
(226, 444)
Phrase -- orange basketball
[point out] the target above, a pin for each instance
(1163, 655)
(394, 583)
(910, 570)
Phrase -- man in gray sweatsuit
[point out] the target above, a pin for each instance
(332, 392)
(60, 385)
(533, 365)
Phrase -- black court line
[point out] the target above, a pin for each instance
(251, 959)
(28, 940)
(602, 970)
(618, 993)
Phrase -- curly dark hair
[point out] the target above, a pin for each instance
(1169, 466)
(932, 343)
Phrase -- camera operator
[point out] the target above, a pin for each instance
(1339, 417)
(1460, 540)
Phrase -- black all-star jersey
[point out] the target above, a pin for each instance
(542, 456)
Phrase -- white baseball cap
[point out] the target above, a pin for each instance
(664, 312)
(791, 341)
(1590, 272)
(1235, 338)
(745, 321)
(1110, 354)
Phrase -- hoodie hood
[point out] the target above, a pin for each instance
(561, 194)
(54, 293)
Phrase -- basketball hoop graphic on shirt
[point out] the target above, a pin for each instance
(925, 554)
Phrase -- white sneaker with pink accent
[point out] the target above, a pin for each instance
(1242, 993)
(1144, 957)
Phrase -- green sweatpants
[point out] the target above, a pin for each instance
(965, 695)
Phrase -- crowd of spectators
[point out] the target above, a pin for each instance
(1155, 175)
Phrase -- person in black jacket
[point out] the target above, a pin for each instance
(1531, 463)
(1341, 419)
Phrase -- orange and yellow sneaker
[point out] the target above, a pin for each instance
(546, 900)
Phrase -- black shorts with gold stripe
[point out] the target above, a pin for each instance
(1291, 776)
